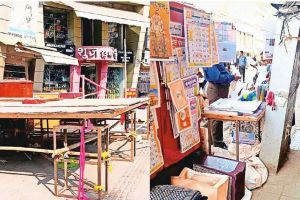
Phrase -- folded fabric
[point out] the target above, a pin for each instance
(214, 186)
(171, 192)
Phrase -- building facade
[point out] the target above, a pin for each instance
(65, 27)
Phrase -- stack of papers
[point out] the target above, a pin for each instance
(247, 107)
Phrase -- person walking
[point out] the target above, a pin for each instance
(242, 65)
(219, 80)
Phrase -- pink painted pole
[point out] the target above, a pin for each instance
(75, 72)
(102, 78)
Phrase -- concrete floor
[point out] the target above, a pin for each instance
(285, 185)
(24, 179)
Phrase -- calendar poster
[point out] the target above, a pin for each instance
(198, 38)
(226, 41)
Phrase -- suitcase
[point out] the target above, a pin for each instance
(170, 192)
(232, 168)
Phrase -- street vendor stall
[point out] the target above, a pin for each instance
(85, 111)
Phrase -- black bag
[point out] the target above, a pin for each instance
(171, 192)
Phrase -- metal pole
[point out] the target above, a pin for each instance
(125, 64)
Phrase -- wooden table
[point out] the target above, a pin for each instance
(229, 116)
(81, 109)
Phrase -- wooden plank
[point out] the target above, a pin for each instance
(222, 116)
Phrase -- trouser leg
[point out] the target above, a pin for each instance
(215, 92)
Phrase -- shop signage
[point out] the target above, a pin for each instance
(96, 53)
(68, 48)
(22, 23)
(121, 56)
(131, 93)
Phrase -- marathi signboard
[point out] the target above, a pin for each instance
(96, 53)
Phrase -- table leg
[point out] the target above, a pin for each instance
(99, 146)
(209, 135)
(237, 139)
(47, 129)
(55, 163)
(55, 175)
(148, 121)
(106, 163)
(132, 137)
(66, 163)
(134, 129)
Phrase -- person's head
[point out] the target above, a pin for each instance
(28, 13)
(241, 53)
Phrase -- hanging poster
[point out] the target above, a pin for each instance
(226, 41)
(156, 157)
(176, 29)
(23, 20)
(269, 48)
(184, 119)
(197, 36)
(193, 105)
(173, 122)
(190, 137)
(178, 94)
(160, 43)
(214, 48)
(191, 86)
(172, 71)
(154, 91)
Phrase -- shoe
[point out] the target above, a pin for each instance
(221, 145)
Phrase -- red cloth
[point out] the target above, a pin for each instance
(123, 117)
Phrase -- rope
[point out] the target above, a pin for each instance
(86, 127)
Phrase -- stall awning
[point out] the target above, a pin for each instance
(51, 56)
(108, 14)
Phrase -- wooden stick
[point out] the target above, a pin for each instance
(9, 148)
(73, 146)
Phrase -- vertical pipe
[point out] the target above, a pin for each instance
(125, 64)
(99, 146)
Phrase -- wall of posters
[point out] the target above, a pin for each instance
(214, 48)
(226, 41)
(156, 157)
(23, 20)
(154, 91)
(198, 38)
(178, 40)
(178, 94)
(160, 43)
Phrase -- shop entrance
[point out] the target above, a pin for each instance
(115, 82)
(89, 71)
